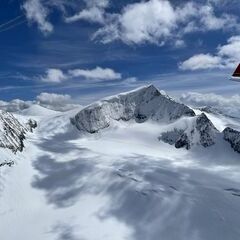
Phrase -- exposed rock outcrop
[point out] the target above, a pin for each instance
(12, 132)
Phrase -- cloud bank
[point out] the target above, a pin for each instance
(227, 105)
(53, 101)
(158, 21)
(15, 105)
(152, 21)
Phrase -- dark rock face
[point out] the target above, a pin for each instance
(139, 105)
(183, 141)
(233, 137)
(201, 132)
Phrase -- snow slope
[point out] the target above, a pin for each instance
(120, 183)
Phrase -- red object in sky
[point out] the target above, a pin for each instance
(237, 72)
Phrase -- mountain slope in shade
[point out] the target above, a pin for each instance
(146, 103)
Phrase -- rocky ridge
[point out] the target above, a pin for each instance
(201, 131)
(12, 132)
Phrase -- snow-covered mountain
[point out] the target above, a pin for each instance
(135, 166)
(146, 103)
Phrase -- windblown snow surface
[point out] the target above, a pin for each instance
(121, 182)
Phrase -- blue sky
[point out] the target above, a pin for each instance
(89, 49)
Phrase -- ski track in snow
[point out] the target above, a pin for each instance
(119, 184)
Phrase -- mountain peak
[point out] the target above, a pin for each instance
(141, 104)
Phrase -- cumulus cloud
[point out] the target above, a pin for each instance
(227, 105)
(53, 75)
(53, 99)
(157, 21)
(98, 74)
(152, 21)
(36, 12)
(201, 61)
(227, 56)
(57, 102)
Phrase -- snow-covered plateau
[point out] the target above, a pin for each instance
(135, 166)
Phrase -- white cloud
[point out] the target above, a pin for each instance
(201, 61)
(231, 50)
(36, 12)
(53, 98)
(158, 21)
(14, 105)
(199, 17)
(227, 56)
(98, 74)
(92, 15)
(228, 105)
(94, 12)
(58, 102)
(53, 76)
(149, 21)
